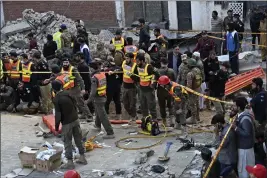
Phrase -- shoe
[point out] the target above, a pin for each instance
(98, 129)
(118, 117)
(82, 160)
(190, 120)
(69, 165)
(108, 136)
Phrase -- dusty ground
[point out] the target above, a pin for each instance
(18, 131)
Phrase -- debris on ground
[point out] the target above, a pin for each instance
(143, 156)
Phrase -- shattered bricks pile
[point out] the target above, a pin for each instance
(37, 22)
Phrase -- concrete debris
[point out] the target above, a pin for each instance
(40, 24)
(143, 156)
(39, 134)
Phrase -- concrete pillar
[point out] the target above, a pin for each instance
(173, 18)
(2, 18)
(120, 13)
(201, 14)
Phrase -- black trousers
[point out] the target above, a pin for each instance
(234, 62)
(115, 96)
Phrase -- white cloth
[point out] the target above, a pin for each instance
(203, 87)
(246, 157)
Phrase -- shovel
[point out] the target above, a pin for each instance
(165, 158)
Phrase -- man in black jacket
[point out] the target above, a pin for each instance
(255, 19)
(144, 35)
(50, 48)
(239, 26)
(66, 114)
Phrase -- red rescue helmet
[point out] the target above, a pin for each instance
(164, 80)
(72, 174)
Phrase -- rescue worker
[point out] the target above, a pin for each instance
(194, 80)
(147, 80)
(26, 101)
(85, 50)
(160, 39)
(45, 88)
(129, 86)
(179, 95)
(29, 79)
(130, 48)
(6, 96)
(57, 38)
(66, 114)
(98, 96)
(6, 66)
(163, 96)
(66, 37)
(118, 41)
(78, 90)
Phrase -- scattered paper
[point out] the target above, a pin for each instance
(29, 150)
(195, 172)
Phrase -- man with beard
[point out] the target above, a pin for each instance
(100, 52)
(174, 60)
(204, 45)
(259, 101)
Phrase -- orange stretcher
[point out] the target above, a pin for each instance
(49, 120)
(240, 81)
(123, 121)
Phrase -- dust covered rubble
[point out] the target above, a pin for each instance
(40, 27)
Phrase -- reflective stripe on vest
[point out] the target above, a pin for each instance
(57, 39)
(126, 69)
(118, 43)
(145, 79)
(14, 73)
(131, 49)
(1, 70)
(26, 72)
(66, 81)
(102, 83)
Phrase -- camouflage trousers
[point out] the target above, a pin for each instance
(46, 100)
(193, 106)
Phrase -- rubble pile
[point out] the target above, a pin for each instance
(40, 24)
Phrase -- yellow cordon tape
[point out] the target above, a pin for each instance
(49, 72)
(214, 37)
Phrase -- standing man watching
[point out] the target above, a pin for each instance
(144, 35)
(175, 60)
(216, 29)
(66, 114)
(85, 50)
(228, 19)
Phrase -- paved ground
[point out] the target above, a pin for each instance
(18, 131)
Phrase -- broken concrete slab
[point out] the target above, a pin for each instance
(16, 28)
(20, 44)
(143, 156)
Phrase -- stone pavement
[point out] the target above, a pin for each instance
(18, 131)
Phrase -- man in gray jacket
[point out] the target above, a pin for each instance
(244, 128)
(228, 153)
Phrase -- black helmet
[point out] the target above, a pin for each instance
(206, 154)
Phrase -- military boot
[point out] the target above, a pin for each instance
(69, 165)
(82, 160)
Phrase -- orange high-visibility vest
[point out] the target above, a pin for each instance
(102, 83)
(145, 79)
(131, 49)
(14, 72)
(26, 72)
(126, 69)
(118, 43)
(66, 81)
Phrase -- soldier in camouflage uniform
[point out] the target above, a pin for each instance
(194, 80)
(100, 52)
(183, 70)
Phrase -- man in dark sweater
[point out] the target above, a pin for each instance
(50, 48)
(144, 35)
(66, 114)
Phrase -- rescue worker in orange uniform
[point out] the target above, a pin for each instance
(118, 41)
(130, 48)
(98, 97)
(160, 39)
(129, 86)
(179, 94)
(148, 80)
(6, 66)
(79, 88)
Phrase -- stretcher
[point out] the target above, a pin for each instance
(49, 120)
(242, 80)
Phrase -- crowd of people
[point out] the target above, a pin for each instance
(66, 74)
